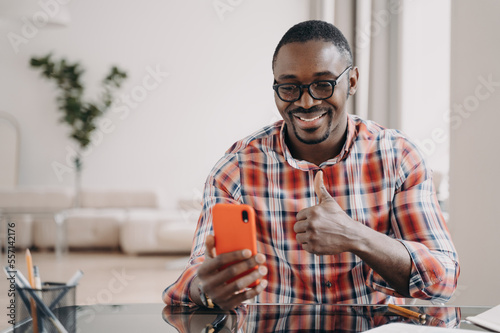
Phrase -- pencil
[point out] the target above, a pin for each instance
(31, 277)
(31, 273)
(406, 312)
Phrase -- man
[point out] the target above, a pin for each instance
(346, 210)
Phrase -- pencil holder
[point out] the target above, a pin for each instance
(58, 309)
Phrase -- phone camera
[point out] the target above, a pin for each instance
(244, 215)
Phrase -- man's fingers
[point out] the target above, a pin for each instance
(210, 267)
(303, 214)
(301, 238)
(210, 246)
(228, 295)
(238, 285)
(240, 268)
(214, 274)
(251, 293)
(236, 299)
(307, 247)
(300, 226)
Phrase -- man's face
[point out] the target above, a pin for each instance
(310, 121)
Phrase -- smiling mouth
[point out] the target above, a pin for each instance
(307, 120)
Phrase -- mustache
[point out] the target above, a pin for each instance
(313, 109)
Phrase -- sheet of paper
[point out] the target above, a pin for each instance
(489, 319)
(410, 328)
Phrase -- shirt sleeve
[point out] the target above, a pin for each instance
(222, 186)
(419, 225)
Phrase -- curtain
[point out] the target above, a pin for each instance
(372, 28)
(9, 150)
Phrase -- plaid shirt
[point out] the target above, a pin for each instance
(379, 178)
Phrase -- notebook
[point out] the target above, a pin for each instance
(411, 328)
(489, 319)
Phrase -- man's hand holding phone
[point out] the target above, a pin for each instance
(232, 270)
(214, 274)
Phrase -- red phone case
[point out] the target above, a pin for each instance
(232, 233)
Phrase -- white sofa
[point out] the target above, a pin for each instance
(28, 206)
(131, 220)
(147, 231)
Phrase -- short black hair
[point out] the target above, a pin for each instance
(315, 30)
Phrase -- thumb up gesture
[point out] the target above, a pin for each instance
(325, 228)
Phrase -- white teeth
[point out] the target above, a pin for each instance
(312, 119)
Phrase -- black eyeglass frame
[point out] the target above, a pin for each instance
(308, 86)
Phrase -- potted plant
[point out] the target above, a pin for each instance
(80, 115)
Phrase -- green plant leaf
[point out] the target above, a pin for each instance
(80, 115)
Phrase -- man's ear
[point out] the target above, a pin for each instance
(353, 80)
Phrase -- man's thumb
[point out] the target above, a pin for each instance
(320, 188)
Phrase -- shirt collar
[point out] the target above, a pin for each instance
(306, 166)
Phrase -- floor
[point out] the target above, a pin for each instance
(109, 277)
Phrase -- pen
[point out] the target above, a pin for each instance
(75, 278)
(31, 277)
(11, 274)
(38, 286)
(407, 313)
(71, 283)
(38, 281)
(20, 293)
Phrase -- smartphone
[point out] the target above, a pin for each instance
(234, 229)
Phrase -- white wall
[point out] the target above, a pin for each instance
(218, 87)
(474, 121)
(425, 71)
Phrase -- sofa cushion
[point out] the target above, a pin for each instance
(85, 228)
(94, 228)
(32, 199)
(112, 198)
(155, 231)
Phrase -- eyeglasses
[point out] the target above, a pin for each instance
(322, 89)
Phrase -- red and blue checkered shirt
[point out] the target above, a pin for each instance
(379, 178)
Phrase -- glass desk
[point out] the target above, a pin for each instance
(252, 318)
(56, 214)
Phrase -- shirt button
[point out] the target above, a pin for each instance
(328, 284)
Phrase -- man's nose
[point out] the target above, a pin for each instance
(306, 101)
